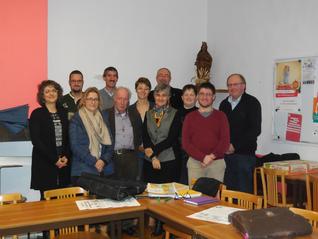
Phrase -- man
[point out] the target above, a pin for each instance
(126, 128)
(206, 137)
(245, 117)
(71, 100)
(164, 77)
(110, 77)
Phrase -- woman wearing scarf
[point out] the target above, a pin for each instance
(160, 137)
(90, 138)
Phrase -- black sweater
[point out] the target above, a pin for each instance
(245, 123)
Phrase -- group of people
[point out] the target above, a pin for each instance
(167, 135)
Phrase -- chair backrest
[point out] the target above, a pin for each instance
(312, 191)
(272, 180)
(61, 193)
(10, 198)
(311, 216)
(243, 200)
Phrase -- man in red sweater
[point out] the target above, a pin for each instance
(206, 137)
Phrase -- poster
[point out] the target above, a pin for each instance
(295, 94)
(288, 85)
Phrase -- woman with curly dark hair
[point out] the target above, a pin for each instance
(49, 136)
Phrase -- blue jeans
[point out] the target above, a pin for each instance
(239, 170)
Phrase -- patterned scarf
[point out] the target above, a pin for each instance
(158, 113)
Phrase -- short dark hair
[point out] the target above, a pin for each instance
(43, 85)
(75, 72)
(207, 85)
(189, 87)
(143, 80)
(110, 68)
(239, 75)
(162, 88)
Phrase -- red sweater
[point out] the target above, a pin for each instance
(202, 136)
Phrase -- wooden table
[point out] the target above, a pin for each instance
(175, 212)
(220, 231)
(45, 215)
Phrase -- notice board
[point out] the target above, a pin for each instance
(295, 108)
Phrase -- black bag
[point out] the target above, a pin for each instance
(105, 187)
(275, 222)
(207, 186)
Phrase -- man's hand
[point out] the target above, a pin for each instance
(231, 149)
(99, 165)
(156, 163)
(208, 159)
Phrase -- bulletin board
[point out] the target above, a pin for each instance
(295, 92)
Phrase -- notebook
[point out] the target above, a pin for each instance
(201, 200)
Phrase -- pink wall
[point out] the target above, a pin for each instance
(23, 51)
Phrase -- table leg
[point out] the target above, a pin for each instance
(118, 227)
(141, 225)
(112, 230)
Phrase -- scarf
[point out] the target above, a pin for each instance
(96, 130)
(158, 113)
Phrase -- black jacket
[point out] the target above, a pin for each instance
(245, 123)
(45, 174)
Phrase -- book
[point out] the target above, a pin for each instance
(201, 200)
(187, 193)
(165, 189)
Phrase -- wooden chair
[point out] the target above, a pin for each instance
(244, 200)
(312, 192)
(169, 230)
(11, 198)
(257, 172)
(272, 179)
(311, 216)
(70, 232)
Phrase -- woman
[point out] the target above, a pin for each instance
(49, 136)
(90, 138)
(189, 96)
(160, 137)
(140, 107)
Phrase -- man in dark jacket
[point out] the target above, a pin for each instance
(126, 128)
(245, 118)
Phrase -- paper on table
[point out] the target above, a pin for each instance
(106, 203)
(219, 214)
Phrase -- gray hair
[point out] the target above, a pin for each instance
(122, 88)
(162, 88)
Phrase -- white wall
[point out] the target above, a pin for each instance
(137, 37)
(248, 36)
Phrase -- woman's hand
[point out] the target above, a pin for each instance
(148, 152)
(156, 163)
(99, 165)
(61, 162)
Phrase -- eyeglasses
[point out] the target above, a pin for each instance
(182, 196)
(205, 94)
(234, 84)
(92, 99)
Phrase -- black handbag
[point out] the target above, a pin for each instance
(105, 187)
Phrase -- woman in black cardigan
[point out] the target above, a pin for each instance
(49, 136)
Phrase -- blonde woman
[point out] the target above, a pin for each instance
(90, 138)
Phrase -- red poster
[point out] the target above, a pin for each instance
(293, 127)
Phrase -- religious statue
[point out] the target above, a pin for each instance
(203, 64)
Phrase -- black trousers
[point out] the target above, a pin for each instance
(167, 173)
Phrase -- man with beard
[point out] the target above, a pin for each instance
(70, 101)
(110, 77)
(206, 137)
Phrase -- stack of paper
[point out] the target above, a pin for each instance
(219, 214)
(106, 203)
(173, 190)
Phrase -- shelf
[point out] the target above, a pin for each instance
(221, 91)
